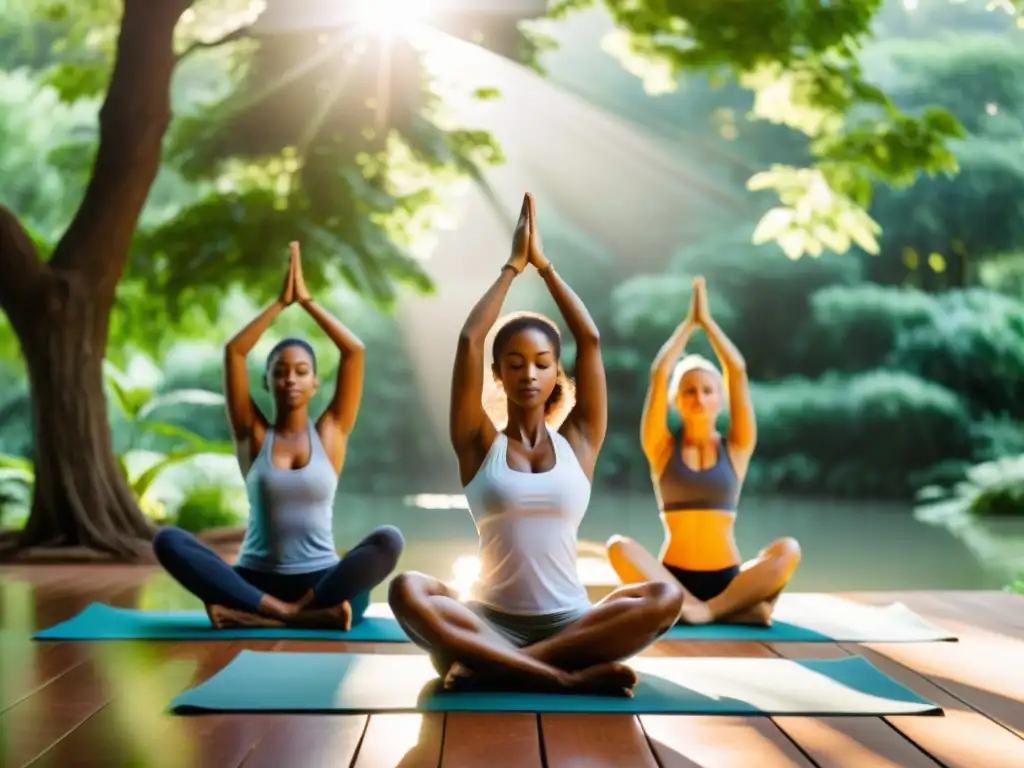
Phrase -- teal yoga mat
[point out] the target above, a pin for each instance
(257, 681)
(814, 618)
(104, 622)
(799, 618)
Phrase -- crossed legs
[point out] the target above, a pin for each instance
(749, 599)
(239, 597)
(582, 657)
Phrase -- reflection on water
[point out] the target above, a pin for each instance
(846, 545)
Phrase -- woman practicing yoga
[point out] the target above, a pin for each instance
(698, 476)
(288, 570)
(529, 623)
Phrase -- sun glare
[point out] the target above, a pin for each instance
(391, 17)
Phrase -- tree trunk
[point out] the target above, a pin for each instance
(60, 310)
(82, 500)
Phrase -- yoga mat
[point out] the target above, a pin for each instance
(257, 681)
(803, 618)
(104, 622)
(813, 618)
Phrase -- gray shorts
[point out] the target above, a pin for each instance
(525, 629)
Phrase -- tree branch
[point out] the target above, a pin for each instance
(20, 267)
(230, 37)
(133, 121)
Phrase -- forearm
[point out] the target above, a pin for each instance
(484, 315)
(342, 337)
(728, 355)
(673, 348)
(581, 325)
(243, 342)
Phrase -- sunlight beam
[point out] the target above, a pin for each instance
(391, 18)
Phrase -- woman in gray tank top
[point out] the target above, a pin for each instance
(529, 623)
(698, 475)
(288, 570)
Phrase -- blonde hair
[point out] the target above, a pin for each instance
(695, 363)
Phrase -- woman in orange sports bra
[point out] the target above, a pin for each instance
(698, 475)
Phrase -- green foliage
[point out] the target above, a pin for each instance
(892, 426)
(856, 328)
(209, 506)
(802, 61)
(976, 347)
(936, 228)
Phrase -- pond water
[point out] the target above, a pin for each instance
(846, 545)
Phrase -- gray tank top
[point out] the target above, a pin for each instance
(290, 512)
(681, 488)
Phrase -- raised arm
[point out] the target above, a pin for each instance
(588, 422)
(742, 422)
(655, 438)
(471, 430)
(339, 419)
(248, 425)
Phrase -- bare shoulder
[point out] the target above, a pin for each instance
(333, 439)
(247, 448)
(583, 449)
(739, 457)
(472, 453)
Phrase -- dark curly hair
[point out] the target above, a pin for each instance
(563, 396)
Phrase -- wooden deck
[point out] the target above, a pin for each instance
(102, 704)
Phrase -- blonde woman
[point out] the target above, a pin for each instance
(698, 475)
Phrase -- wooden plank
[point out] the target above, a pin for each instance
(132, 726)
(838, 742)
(313, 741)
(596, 741)
(473, 739)
(985, 669)
(35, 724)
(682, 741)
(405, 740)
(962, 738)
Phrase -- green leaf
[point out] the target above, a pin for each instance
(75, 80)
(147, 478)
(180, 397)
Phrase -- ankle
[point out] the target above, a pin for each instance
(278, 609)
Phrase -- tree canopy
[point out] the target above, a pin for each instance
(803, 63)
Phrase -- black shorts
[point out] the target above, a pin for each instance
(704, 585)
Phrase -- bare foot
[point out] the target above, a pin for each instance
(758, 615)
(338, 617)
(612, 679)
(459, 678)
(222, 618)
(695, 612)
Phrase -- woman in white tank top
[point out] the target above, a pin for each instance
(529, 622)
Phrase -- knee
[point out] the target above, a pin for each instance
(389, 540)
(665, 600)
(617, 546)
(168, 542)
(402, 592)
(787, 552)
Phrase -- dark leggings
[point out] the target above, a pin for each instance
(205, 574)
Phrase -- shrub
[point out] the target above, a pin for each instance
(975, 347)
(857, 328)
(865, 435)
(209, 506)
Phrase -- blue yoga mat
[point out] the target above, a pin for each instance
(104, 622)
(816, 618)
(368, 683)
(801, 618)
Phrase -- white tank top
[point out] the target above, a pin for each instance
(528, 525)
